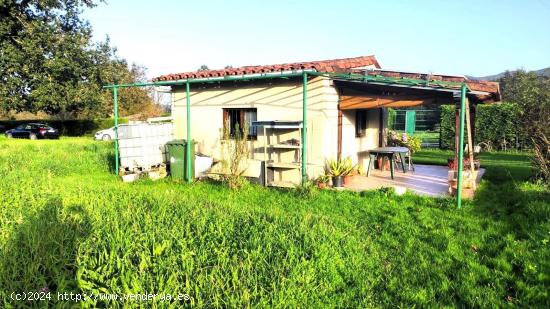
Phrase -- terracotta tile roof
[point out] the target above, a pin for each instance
(344, 65)
(332, 66)
(476, 85)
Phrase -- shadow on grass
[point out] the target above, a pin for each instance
(522, 208)
(505, 197)
(41, 253)
(516, 217)
(498, 174)
(110, 161)
(503, 167)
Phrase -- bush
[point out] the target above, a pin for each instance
(496, 127)
(70, 127)
(447, 126)
(532, 94)
(307, 189)
(235, 153)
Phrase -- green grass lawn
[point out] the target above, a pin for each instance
(68, 225)
(433, 135)
(501, 167)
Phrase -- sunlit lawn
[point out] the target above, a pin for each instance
(67, 224)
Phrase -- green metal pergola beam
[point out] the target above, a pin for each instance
(390, 80)
(348, 76)
(210, 79)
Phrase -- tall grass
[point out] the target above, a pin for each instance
(67, 224)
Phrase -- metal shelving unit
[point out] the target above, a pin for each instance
(274, 149)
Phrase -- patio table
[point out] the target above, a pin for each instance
(388, 152)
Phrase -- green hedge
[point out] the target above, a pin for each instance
(496, 127)
(69, 127)
(447, 127)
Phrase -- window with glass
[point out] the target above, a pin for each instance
(360, 122)
(236, 117)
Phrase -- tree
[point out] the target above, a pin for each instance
(532, 94)
(203, 67)
(48, 61)
(133, 100)
(43, 48)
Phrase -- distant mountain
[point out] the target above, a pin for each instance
(542, 72)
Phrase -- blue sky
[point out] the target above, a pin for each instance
(453, 37)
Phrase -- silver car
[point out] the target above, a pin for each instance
(105, 134)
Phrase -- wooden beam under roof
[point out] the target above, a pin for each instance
(364, 101)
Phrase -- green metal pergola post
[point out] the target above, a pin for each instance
(304, 127)
(189, 143)
(115, 107)
(461, 146)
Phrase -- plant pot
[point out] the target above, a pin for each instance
(452, 165)
(451, 175)
(468, 178)
(452, 185)
(321, 185)
(467, 193)
(348, 179)
(383, 164)
(337, 181)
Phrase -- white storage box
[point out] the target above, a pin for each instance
(142, 146)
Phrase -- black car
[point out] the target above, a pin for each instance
(33, 131)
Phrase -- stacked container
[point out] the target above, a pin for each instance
(143, 146)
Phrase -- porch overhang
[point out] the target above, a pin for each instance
(367, 95)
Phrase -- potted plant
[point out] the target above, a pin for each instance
(322, 181)
(468, 184)
(414, 143)
(467, 190)
(452, 164)
(360, 169)
(348, 178)
(337, 169)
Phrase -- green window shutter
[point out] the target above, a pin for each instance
(410, 120)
